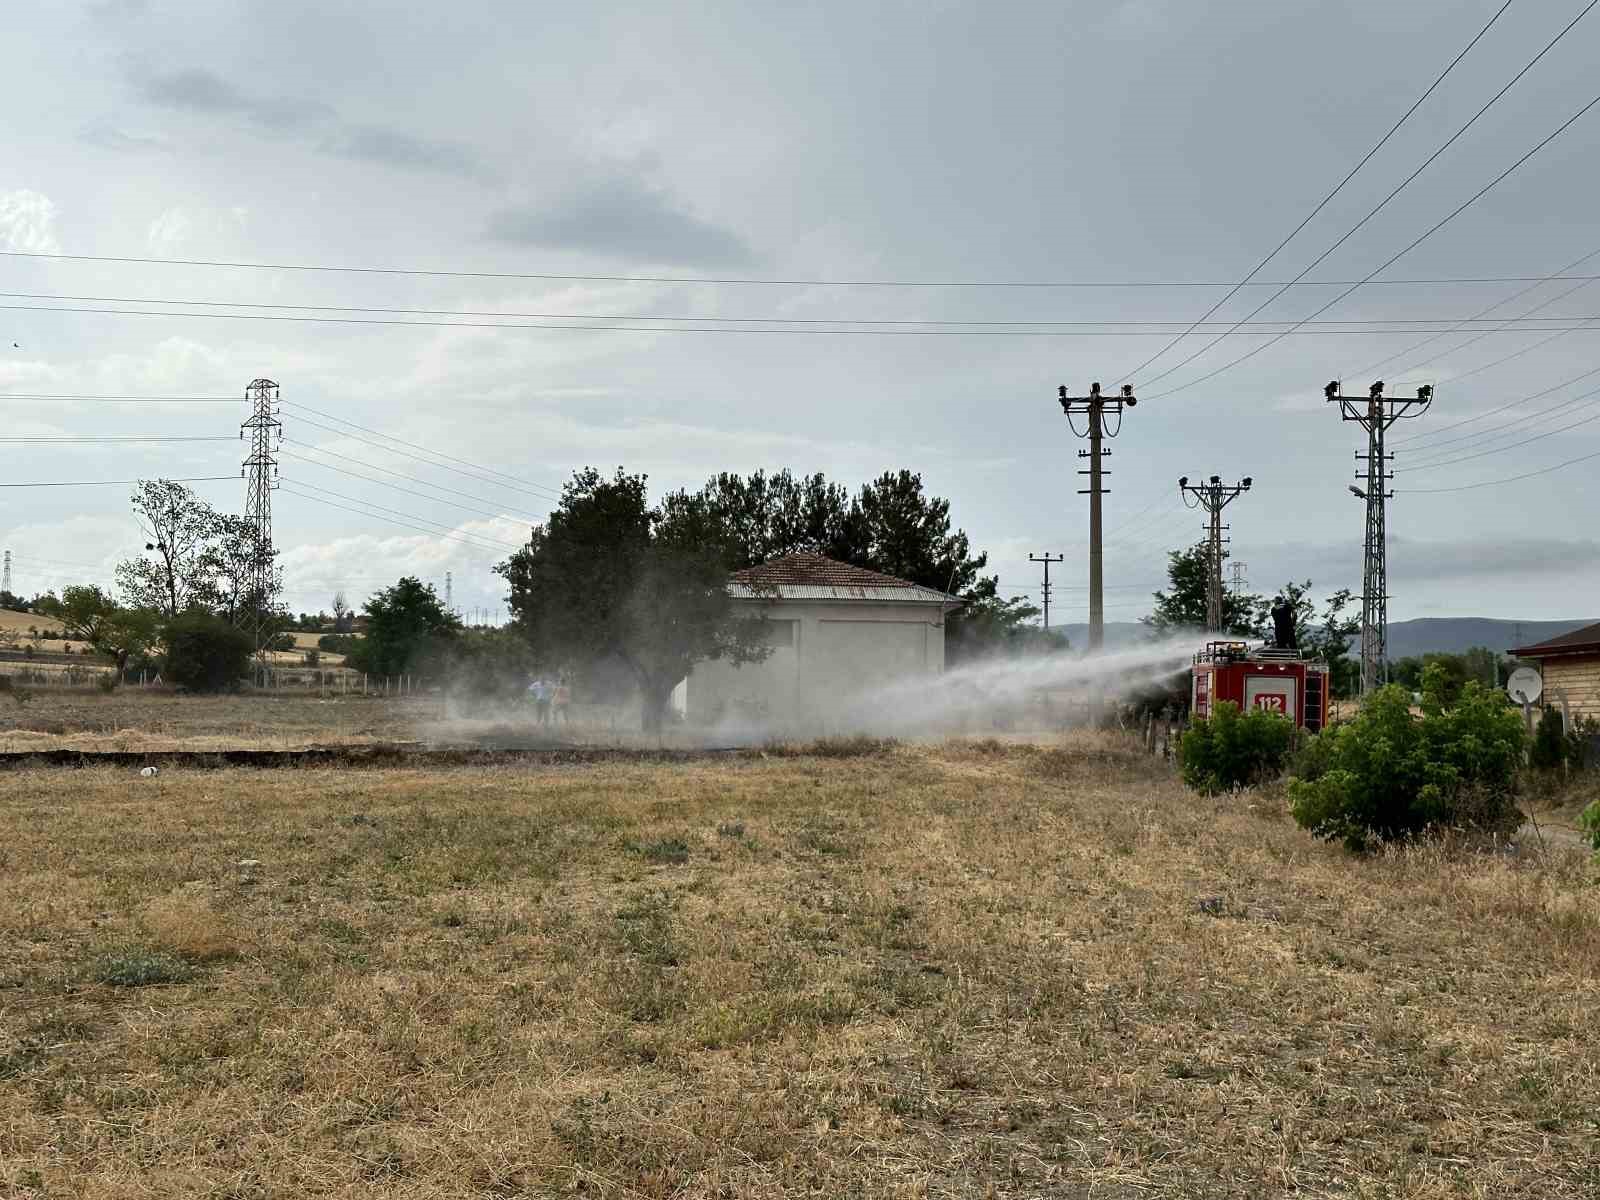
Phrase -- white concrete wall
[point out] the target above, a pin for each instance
(841, 648)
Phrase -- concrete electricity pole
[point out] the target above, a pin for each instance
(1213, 496)
(1375, 414)
(1045, 559)
(1096, 408)
(5, 579)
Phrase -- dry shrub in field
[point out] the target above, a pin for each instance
(185, 923)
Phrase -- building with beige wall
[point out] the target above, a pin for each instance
(1570, 665)
(838, 633)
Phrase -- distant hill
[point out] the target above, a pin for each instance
(1451, 635)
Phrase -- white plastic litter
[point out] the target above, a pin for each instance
(150, 772)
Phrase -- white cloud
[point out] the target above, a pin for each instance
(187, 225)
(362, 564)
(27, 222)
(170, 230)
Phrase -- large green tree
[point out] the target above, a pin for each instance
(117, 631)
(609, 579)
(408, 629)
(195, 557)
(1183, 604)
(891, 524)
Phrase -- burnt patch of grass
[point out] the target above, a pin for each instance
(854, 746)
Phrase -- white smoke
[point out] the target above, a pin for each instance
(1033, 694)
(1013, 689)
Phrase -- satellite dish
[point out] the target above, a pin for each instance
(1525, 685)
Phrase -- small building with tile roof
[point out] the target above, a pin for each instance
(1570, 665)
(837, 631)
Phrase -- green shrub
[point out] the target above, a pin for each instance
(1583, 739)
(136, 966)
(1549, 749)
(1389, 774)
(1232, 749)
(205, 653)
(1590, 820)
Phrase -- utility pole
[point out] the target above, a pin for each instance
(5, 579)
(1375, 414)
(1046, 560)
(260, 472)
(1096, 408)
(449, 593)
(1213, 496)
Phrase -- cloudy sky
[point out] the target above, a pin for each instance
(1149, 142)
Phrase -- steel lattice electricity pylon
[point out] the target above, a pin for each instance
(1213, 496)
(260, 472)
(1375, 414)
(5, 579)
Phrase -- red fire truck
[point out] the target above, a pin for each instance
(1279, 681)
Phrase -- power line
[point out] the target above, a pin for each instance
(401, 475)
(1499, 362)
(708, 319)
(1323, 203)
(483, 543)
(1538, 437)
(726, 280)
(1467, 487)
(56, 483)
(1482, 313)
(1483, 416)
(1410, 246)
(396, 487)
(374, 516)
(119, 439)
(1297, 327)
(539, 490)
(1572, 404)
(1384, 203)
(123, 399)
(542, 492)
(58, 562)
(1077, 587)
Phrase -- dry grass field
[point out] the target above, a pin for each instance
(19, 622)
(132, 718)
(135, 719)
(16, 625)
(956, 970)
